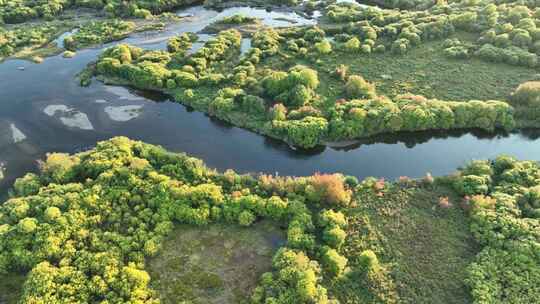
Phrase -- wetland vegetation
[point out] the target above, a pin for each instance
(361, 72)
(131, 222)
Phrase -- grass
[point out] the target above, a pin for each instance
(424, 70)
(426, 248)
(215, 264)
(11, 288)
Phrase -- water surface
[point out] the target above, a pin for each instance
(43, 109)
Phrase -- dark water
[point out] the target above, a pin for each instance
(27, 132)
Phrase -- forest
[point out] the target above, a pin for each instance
(122, 215)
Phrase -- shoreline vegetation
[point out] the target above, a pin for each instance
(130, 222)
(83, 229)
(36, 40)
(329, 83)
(29, 28)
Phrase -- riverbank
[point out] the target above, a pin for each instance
(364, 241)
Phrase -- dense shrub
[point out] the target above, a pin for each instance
(510, 55)
(329, 189)
(181, 43)
(28, 36)
(352, 45)
(358, 87)
(88, 222)
(323, 47)
(334, 262)
(295, 88)
(278, 112)
(236, 19)
(296, 270)
(98, 32)
(307, 132)
(504, 220)
(527, 94)
(267, 40)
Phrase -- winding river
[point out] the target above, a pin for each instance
(43, 109)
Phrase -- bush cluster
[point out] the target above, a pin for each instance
(98, 32)
(20, 37)
(18, 11)
(294, 89)
(505, 212)
(216, 50)
(268, 41)
(359, 118)
(236, 19)
(527, 94)
(151, 69)
(84, 226)
(509, 32)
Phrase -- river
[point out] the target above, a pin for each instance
(43, 109)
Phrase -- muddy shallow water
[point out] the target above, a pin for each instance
(43, 109)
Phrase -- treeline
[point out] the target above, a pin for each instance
(503, 199)
(171, 69)
(84, 226)
(286, 104)
(19, 11)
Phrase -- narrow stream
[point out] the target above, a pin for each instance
(43, 109)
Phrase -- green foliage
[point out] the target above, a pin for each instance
(27, 185)
(236, 19)
(506, 223)
(323, 47)
(98, 32)
(17, 38)
(369, 261)
(216, 49)
(295, 88)
(181, 44)
(278, 112)
(334, 236)
(334, 262)
(267, 41)
(18, 11)
(294, 269)
(358, 87)
(352, 45)
(306, 132)
(87, 223)
(511, 55)
(527, 94)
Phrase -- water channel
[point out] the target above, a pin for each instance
(43, 109)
